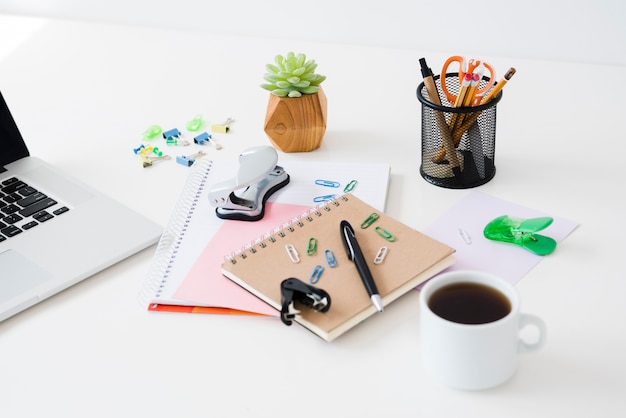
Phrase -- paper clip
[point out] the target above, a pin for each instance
(369, 220)
(324, 198)
(385, 234)
(312, 248)
(350, 186)
(315, 274)
(327, 183)
(152, 132)
(380, 255)
(330, 259)
(195, 124)
(223, 127)
(188, 160)
(292, 253)
(465, 236)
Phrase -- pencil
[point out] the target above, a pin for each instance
(444, 130)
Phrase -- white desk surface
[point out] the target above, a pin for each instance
(83, 93)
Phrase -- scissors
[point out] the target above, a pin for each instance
(464, 68)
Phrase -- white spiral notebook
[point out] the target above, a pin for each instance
(185, 274)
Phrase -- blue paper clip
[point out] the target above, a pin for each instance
(350, 186)
(330, 259)
(327, 183)
(320, 199)
(315, 274)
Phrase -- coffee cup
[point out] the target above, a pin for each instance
(470, 329)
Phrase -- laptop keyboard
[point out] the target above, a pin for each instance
(23, 207)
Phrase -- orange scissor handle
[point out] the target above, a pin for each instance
(464, 68)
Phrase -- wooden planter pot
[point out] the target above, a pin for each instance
(296, 124)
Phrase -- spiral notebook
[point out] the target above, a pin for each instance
(411, 258)
(185, 275)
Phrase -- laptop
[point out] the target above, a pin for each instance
(55, 231)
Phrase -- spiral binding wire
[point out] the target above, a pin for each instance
(173, 234)
(285, 229)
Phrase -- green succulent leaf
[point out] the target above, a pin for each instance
(280, 92)
(292, 76)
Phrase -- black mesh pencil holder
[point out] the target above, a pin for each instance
(472, 130)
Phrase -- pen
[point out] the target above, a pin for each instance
(446, 136)
(356, 255)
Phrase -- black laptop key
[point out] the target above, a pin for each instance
(27, 191)
(39, 206)
(61, 210)
(9, 181)
(13, 187)
(42, 216)
(29, 225)
(9, 209)
(33, 198)
(10, 231)
(11, 219)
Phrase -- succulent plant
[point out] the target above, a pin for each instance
(292, 76)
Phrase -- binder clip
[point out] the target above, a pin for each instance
(243, 197)
(147, 161)
(223, 127)
(293, 291)
(521, 232)
(188, 160)
(173, 137)
(205, 138)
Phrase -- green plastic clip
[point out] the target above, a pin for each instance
(152, 132)
(312, 247)
(195, 124)
(521, 232)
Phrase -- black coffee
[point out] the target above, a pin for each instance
(469, 303)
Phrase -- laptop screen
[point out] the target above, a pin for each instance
(12, 146)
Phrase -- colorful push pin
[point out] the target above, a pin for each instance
(145, 150)
(195, 124)
(188, 160)
(152, 132)
(148, 161)
(202, 139)
(157, 152)
(223, 127)
(138, 149)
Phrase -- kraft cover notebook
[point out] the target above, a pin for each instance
(185, 275)
(411, 259)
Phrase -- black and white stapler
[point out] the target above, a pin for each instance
(243, 197)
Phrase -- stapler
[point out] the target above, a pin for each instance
(243, 197)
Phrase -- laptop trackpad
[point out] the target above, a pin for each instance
(19, 274)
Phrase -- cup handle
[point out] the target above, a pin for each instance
(532, 320)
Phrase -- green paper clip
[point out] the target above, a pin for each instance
(386, 234)
(369, 220)
(521, 232)
(350, 186)
(312, 247)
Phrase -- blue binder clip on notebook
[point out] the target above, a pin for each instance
(243, 197)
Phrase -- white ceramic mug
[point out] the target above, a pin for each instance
(474, 356)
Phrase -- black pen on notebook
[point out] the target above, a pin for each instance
(356, 255)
